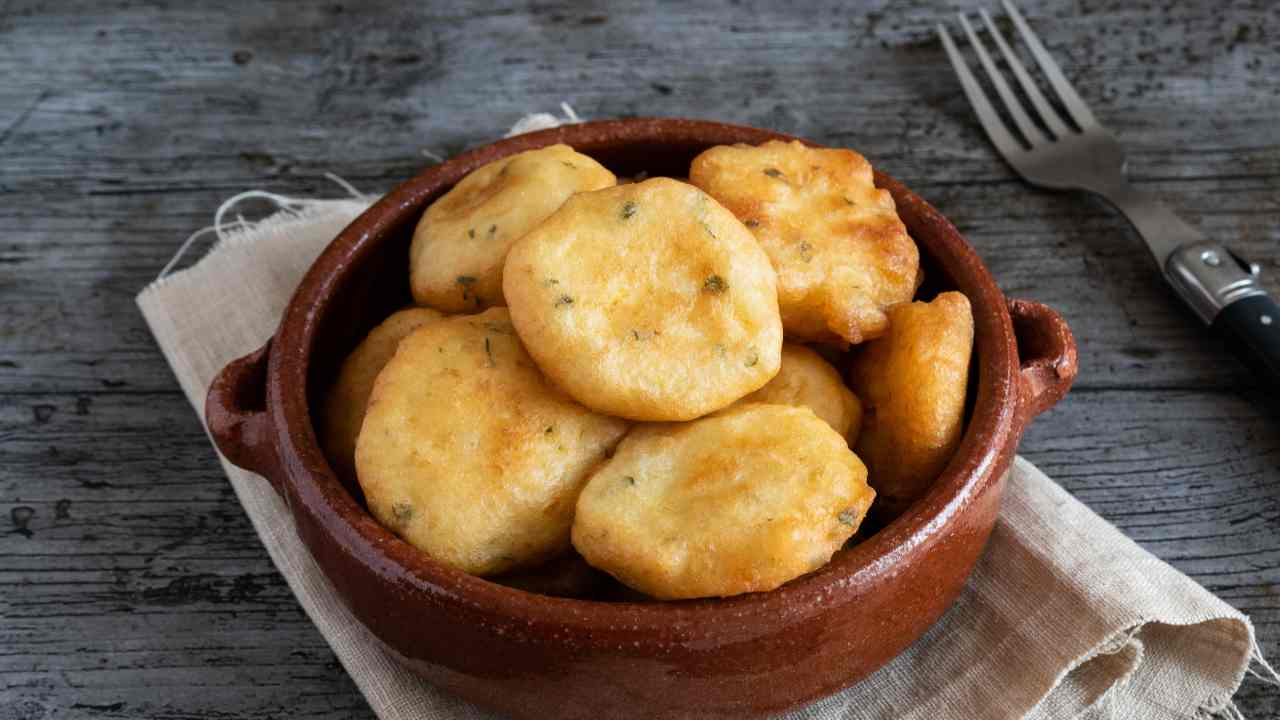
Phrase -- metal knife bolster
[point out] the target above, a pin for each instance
(1209, 277)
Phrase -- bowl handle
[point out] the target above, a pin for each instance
(236, 412)
(1046, 355)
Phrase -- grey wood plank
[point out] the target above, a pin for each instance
(135, 586)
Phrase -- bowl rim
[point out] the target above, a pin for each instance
(987, 436)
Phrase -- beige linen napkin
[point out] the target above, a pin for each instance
(1064, 616)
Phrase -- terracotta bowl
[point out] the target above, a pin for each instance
(535, 656)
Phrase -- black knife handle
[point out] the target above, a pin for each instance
(1252, 327)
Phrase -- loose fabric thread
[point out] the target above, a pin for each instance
(293, 208)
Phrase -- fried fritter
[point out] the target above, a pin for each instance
(469, 454)
(345, 404)
(806, 380)
(647, 301)
(740, 501)
(912, 383)
(842, 254)
(455, 262)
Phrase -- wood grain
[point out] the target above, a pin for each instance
(133, 584)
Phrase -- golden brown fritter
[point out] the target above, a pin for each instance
(806, 380)
(647, 301)
(455, 262)
(345, 404)
(842, 254)
(740, 501)
(912, 383)
(469, 454)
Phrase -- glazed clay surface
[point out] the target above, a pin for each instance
(534, 656)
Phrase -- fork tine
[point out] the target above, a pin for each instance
(1047, 112)
(987, 115)
(1030, 132)
(1075, 106)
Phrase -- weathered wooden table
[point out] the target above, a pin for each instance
(131, 584)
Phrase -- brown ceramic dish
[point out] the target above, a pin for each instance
(534, 656)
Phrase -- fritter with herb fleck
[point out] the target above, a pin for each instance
(455, 262)
(648, 301)
(345, 404)
(806, 380)
(912, 383)
(740, 501)
(842, 254)
(469, 454)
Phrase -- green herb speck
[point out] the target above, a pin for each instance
(563, 300)
(721, 350)
(714, 284)
(630, 480)
(466, 281)
(806, 251)
(753, 357)
(710, 232)
(773, 172)
(847, 200)
(492, 229)
(628, 210)
(568, 164)
(402, 512)
(848, 517)
(550, 429)
(550, 281)
(489, 351)
(471, 233)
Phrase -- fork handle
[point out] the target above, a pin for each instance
(1220, 287)
(1252, 328)
(1224, 291)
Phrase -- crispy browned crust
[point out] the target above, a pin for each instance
(741, 501)
(648, 301)
(459, 245)
(842, 254)
(469, 454)
(912, 383)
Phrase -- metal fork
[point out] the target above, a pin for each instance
(1072, 151)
